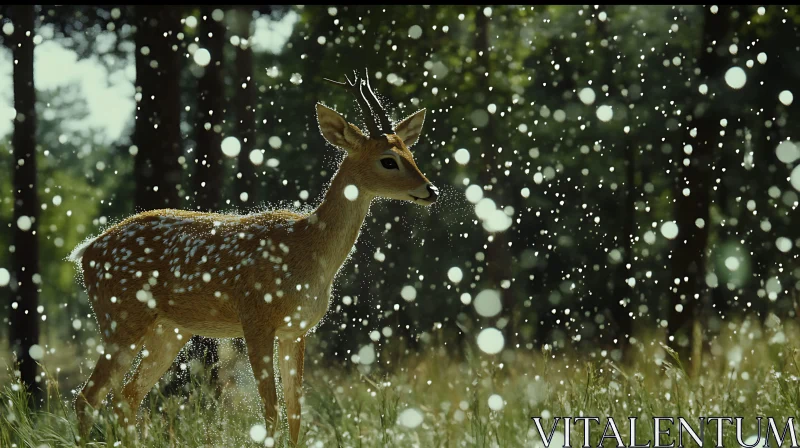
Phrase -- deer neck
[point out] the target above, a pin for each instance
(337, 221)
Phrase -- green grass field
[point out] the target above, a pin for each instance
(434, 401)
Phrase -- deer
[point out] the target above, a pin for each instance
(159, 277)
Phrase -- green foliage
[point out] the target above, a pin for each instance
(433, 401)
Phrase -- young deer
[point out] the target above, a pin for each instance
(159, 277)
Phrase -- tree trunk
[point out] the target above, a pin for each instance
(24, 318)
(622, 301)
(208, 171)
(245, 112)
(210, 106)
(621, 305)
(498, 256)
(689, 249)
(156, 132)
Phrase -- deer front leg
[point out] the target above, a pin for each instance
(261, 349)
(291, 353)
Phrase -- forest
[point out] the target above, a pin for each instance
(613, 232)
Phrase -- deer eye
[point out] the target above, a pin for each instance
(389, 164)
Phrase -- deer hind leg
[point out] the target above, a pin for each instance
(161, 347)
(122, 341)
(108, 374)
(291, 353)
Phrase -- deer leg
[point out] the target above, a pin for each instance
(162, 348)
(108, 374)
(291, 353)
(260, 350)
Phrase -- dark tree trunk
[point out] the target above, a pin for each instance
(208, 170)
(621, 304)
(157, 132)
(245, 113)
(210, 106)
(690, 246)
(24, 318)
(498, 256)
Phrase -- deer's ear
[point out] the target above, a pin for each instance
(337, 131)
(410, 128)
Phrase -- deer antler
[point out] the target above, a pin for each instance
(384, 123)
(368, 104)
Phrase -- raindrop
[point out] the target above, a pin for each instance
(794, 178)
(487, 303)
(256, 157)
(496, 402)
(24, 223)
(605, 113)
(587, 96)
(782, 243)
(462, 156)
(669, 229)
(454, 274)
(787, 151)
(36, 352)
(351, 192)
(258, 433)
(786, 97)
(735, 77)
(408, 293)
(231, 146)
(732, 263)
(410, 418)
(366, 355)
(474, 193)
(491, 341)
(202, 57)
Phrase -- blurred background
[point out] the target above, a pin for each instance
(605, 171)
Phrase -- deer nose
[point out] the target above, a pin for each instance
(433, 193)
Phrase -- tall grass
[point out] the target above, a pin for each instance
(433, 401)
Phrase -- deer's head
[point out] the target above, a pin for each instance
(380, 162)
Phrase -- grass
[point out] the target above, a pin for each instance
(432, 400)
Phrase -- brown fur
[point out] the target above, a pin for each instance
(159, 277)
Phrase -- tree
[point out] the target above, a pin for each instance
(692, 210)
(157, 135)
(24, 319)
(498, 255)
(245, 109)
(207, 180)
